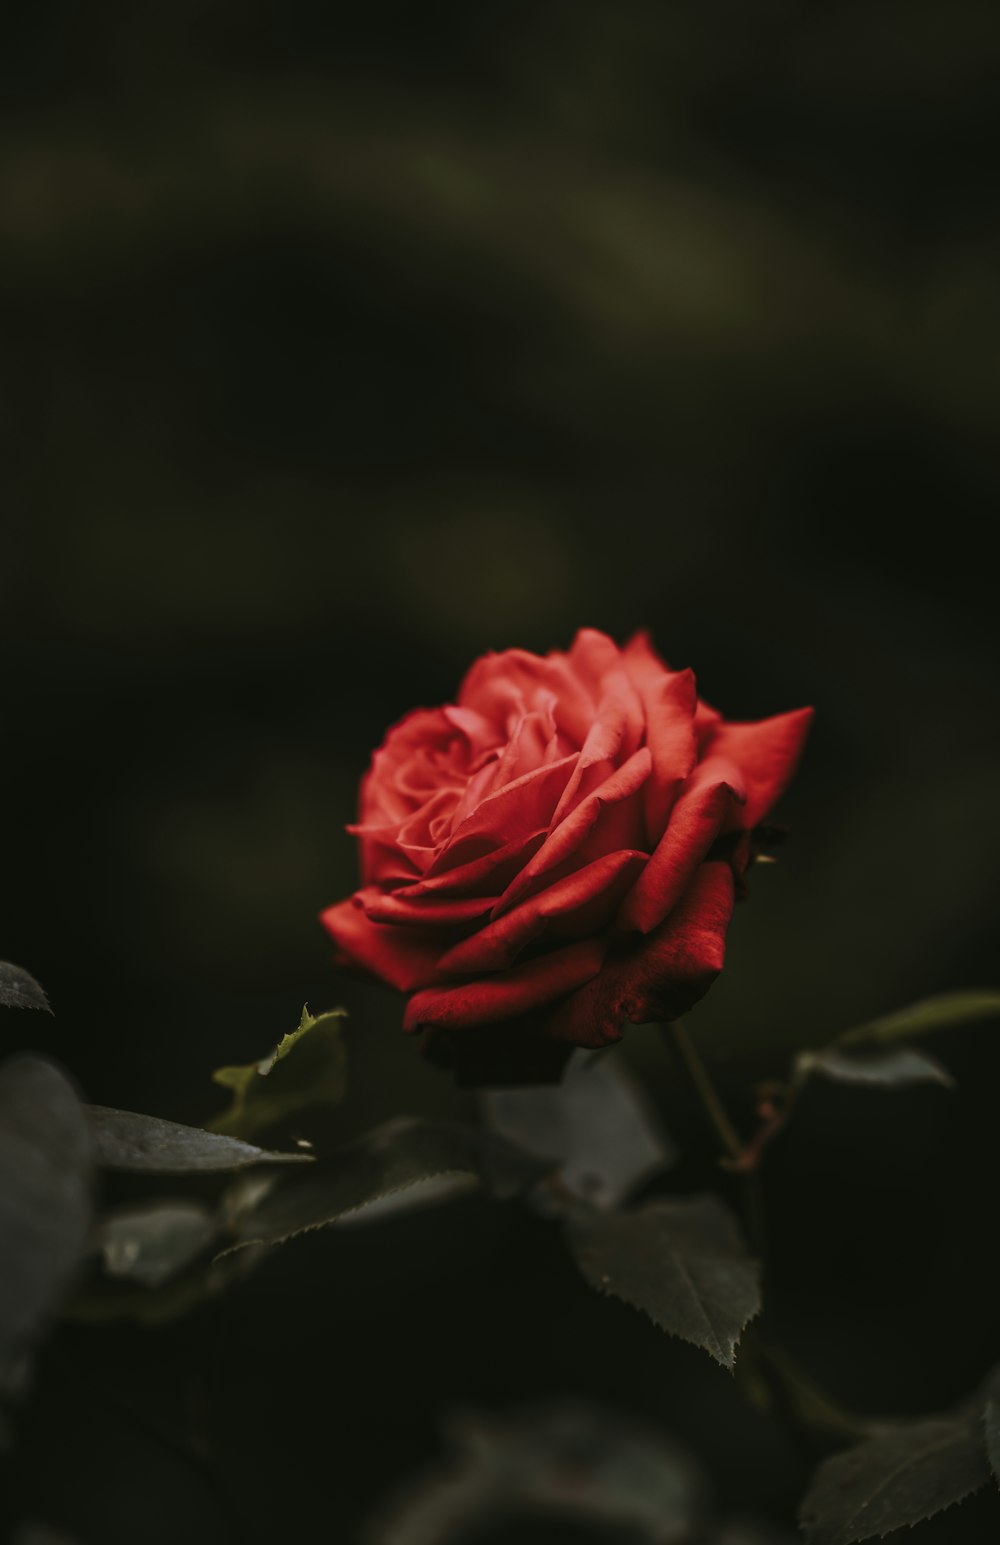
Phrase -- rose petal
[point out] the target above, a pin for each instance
(766, 753)
(591, 655)
(581, 903)
(706, 719)
(669, 700)
(704, 806)
(614, 736)
(433, 911)
(382, 798)
(535, 735)
(515, 811)
(383, 862)
(493, 868)
(624, 784)
(394, 955)
(490, 999)
(477, 730)
(665, 974)
(499, 685)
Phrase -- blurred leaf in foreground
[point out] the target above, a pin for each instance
(681, 1261)
(46, 1177)
(895, 1068)
(152, 1245)
(596, 1126)
(574, 1464)
(307, 1068)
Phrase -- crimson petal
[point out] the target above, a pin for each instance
(490, 999)
(663, 976)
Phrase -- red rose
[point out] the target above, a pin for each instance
(557, 852)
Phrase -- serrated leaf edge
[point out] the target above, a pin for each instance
(858, 1539)
(345, 1212)
(726, 1361)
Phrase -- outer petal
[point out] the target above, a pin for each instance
(591, 656)
(491, 999)
(710, 796)
(766, 753)
(663, 976)
(581, 903)
(669, 700)
(395, 955)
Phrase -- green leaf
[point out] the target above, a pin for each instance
(392, 1159)
(595, 1126)
(19, 990)
(307, 1068)
(681, 1261)
(894, 1068)
(46, 1175)
(148, 1145)
(946, 1011)
(907, 1472)
(153, 1244)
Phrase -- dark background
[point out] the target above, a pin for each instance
(342, 344)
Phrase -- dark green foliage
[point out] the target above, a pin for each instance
(46, 1169)
(682, 1262)
(387, 1163)
(153, 1244)
(595, 1126)
(149, 1145)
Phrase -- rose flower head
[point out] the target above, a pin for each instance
(557, 852)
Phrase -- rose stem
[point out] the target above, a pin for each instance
(714, 1108)
(740, 1155)
(789, 1386)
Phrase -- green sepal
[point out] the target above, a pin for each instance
(307, 1068)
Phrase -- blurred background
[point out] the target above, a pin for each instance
(342, 344)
